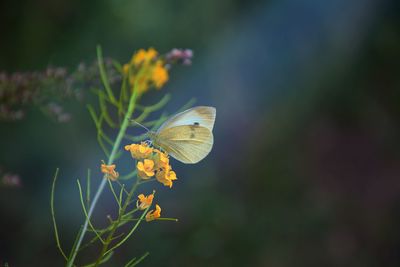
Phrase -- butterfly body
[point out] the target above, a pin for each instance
(187, 136)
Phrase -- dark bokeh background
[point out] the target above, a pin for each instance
(305, 169)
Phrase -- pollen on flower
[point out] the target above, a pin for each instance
(159, 75)
(146, 69)
(144, 56)
(152, 162)
(139, 152)
(151, 53)
(166, 176)
(145, 168)
(153, 215)
(144, 202)
(161, 159)
(109, 171)
(139, 57)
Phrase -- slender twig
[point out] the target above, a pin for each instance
(155, 106)
(85, 212)
(54, 216)
(111, 159)
(128, 176)
(146, 181)
(103, 76)
(105, 250)
(128, 214)
(140, 259)
(122, 186)
(115, 195)
(88, 188)
(104, 110)
(102, 261)
(158, 219)
(130, 262)
(120, 194)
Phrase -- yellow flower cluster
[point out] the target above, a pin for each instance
(109, 171)
(152, 162)
(147, 70)
(144, 56)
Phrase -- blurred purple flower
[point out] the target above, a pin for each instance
(19, 90)
(183, 56)
(11, 180)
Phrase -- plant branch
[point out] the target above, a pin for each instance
(115, 149)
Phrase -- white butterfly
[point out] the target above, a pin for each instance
(187, 136)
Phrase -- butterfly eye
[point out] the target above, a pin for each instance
(196, 123)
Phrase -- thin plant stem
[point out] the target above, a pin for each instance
(140, 259)
(84, 211)
(103, 76)
(88, 188)
(121, 134)
(54, 216)
(129, 234)
(105, 250)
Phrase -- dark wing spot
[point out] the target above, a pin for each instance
(196, 123)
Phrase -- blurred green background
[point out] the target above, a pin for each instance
(305, 170)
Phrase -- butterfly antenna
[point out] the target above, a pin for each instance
(141, 125)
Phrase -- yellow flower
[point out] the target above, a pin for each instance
(161, 159)
(145, 202)
(151, 53)
(166, 176)
(159, 75)
(143, 83)
(141, 151)
(148, 71)
(144, 56)
(125, 68)
(152, 215)
(109, 171)
(152, 162)
(145, 168)
(139, 56)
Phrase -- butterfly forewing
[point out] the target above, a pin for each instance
(186, 143)
(199, 116)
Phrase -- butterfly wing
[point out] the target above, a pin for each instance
(186, 143)
(201, 116)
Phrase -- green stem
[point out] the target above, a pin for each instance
(54, 216)
(114, 151)
(103, 76)
(104, 250)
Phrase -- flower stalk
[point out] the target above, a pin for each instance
(116, 223)
(147, 70)
(115, 149)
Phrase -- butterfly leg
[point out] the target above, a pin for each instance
(161, 149)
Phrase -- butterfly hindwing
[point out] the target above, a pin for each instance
(186, 143)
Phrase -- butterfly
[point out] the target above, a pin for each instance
(187, 136)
